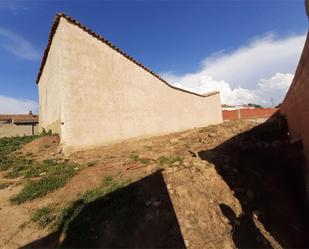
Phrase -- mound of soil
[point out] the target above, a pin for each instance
(42, 148)
(234, 185)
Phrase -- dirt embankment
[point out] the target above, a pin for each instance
(204, 188)
(42, 148)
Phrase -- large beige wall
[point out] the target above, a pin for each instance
(296, 103)
(50, 88)
(12, 130)
(107, 98)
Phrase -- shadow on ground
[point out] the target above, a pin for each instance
(140, 215)
(266, 174)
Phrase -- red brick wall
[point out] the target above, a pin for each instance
(295, 106)
(249, 113)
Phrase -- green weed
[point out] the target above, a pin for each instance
(57, 175)
(4, 185)
(53, 174)
(9, 145)
(74, 209)
(107, 180)
(162, 160)
(44, 217)
(136, 158)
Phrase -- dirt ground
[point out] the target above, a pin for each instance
(234, 185)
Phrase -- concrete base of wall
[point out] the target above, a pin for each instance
(72, 149)
(55, 127)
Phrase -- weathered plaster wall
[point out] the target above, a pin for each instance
(50, 88)
(107, 98)
(296, 103)
(12, 130)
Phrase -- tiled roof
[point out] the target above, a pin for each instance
(94, 34)
(20, 118)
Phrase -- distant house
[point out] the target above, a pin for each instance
(92, 93)
(19, 119)
(18, 125)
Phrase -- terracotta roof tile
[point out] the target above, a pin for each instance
(19, 118)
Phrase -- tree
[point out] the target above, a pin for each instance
(255, 105)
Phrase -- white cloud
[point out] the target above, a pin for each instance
(228, 95)
(278, 82)
(17, 45)
(9, 105)
(257, 72)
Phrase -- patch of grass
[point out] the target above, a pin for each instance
(107, 180)
(26, 168)
(44, 216)
(22, 167)
(136, 158)
(57, 175)
(53, 174)
(17, 164)
(9, 145)
(144, 161)
(96, 193)
(4, 185)
(169, 160)
(210, 128)
(74, 209)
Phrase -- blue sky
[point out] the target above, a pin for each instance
(247, 49)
